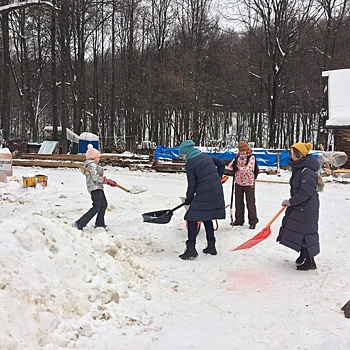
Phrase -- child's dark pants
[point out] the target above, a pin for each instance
(99, 205)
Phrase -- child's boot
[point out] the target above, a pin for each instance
(210, 249)
(190, 251)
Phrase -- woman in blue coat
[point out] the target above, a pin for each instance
(204, 195)
(299, 230)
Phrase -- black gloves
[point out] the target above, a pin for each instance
(187, 201)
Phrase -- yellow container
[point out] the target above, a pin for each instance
(42, 179)
(29, 181)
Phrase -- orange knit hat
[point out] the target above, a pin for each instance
(303, 148)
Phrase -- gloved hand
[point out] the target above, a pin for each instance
(111, 183)
(285, 203)
(187, 201)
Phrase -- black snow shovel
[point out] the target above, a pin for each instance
(160, 216)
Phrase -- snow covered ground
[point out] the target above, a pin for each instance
(127, 289)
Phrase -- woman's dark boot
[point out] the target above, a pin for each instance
(309, 263)
(210, 249)
(190, 251)
(301, 258)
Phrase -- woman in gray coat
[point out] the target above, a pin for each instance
(204, 195)
(299, 230)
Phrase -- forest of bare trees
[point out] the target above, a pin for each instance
(168, 70)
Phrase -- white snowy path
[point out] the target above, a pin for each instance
(127, 288)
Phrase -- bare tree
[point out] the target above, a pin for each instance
(5, 9)
(282, 25)
(162, 70)
(54, 76)
(195, 27)
(5, 107)
(333, 13)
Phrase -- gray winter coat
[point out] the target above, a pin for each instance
(204, 188)
(94, 178)
(301, 218)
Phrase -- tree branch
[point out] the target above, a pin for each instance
(27, 3)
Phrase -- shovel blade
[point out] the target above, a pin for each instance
(263, 234)
(137, 189)
(158, 217)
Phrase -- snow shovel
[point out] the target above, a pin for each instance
(160, 216)
(263, 234)
(134, 190)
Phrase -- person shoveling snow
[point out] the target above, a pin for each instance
(94, 182)
(133, 190)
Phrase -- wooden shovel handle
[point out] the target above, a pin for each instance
(275, 217)
(123, 188)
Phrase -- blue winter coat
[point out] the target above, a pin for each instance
(301, 218)
(204, 188)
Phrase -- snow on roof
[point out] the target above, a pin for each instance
(338, 97)
(72, 136)
(88, 136)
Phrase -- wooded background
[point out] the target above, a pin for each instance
(169, 70)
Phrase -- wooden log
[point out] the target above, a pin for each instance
(105, 158)
(61, 157)
(48, 163)
(43, 163)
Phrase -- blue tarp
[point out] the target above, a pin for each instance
(265, 158)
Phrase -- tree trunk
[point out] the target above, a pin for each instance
(6, 69)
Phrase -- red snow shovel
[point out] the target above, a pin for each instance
(263, 234)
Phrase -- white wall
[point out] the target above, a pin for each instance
(338, 97)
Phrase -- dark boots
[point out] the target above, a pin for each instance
(210, 249)
(190, 252)
(301, 258)
(309, 263)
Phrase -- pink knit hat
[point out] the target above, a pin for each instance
(92, 152)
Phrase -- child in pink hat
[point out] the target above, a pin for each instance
(94, 183)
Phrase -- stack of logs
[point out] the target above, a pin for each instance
(133, 162)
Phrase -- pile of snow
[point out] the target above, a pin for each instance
(126, 288)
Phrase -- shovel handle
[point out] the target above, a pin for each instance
(224, 179)
(122, 188)
(179, 206)
(275, 217)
